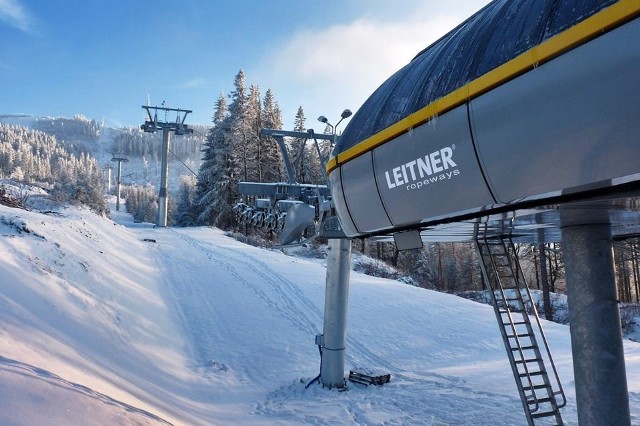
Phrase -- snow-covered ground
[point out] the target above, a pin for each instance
(105, 322)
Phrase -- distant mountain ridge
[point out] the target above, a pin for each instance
(80, 134)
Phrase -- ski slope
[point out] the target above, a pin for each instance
(112, 322)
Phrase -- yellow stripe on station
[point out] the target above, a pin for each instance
(608, 18)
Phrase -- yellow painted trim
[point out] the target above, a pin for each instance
(610, 17)
(332, 164)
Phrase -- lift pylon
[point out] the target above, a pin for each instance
(120, 160)
(152, 125)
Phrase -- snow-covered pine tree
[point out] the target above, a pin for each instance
(89, 187)
(254, 123)
(142, 203)
(272, 163)
(226, 184)
(34, 157)
(185, 211)
(208, 172)
(304, 154)
(239, 126)
(216, 189)
(299, 155)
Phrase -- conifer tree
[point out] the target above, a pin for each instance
(234, 151)
(298, 148)
(239, 134)
(35, 157)
(185, 209)
(255, 160)
(272, 157)
(226, 186)
(216, 188)
(208, 172)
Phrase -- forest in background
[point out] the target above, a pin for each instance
(35, 157)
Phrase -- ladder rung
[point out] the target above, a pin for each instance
(501, 264)
(544, 414)
(540, 400)
(532, 373)
(525, 361)
(495, 254)
(534, 387)
(509, 308)
(511, 336)
(517, 310)
(515, 324)
(525, 348)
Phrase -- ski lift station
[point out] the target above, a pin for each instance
(520, 125)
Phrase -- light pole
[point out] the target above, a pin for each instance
(324, 120)
(334, 332)
(334, 129)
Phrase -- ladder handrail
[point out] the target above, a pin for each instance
(507, 274)
(560, 390)
(510, 246)
(499, 314)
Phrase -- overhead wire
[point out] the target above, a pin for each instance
(177, 158)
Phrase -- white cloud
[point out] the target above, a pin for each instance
(13, 14)
(339, 66)
(194, 83)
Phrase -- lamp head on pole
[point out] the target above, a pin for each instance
(323, 119)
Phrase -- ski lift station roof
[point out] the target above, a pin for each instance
(527, 109)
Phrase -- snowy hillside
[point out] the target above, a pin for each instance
(140, 170)
(106, 322)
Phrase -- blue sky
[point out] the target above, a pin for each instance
(103, 58)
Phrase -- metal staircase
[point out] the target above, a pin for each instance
(533, 368)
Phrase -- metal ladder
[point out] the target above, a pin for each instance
(526, 345)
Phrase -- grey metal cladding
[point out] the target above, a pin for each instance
(571, 122)
(362, 196)
(497, 33)
(335, 182)
(430, 171)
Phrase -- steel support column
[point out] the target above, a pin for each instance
(335, 313)
(596, 337)
(163, 200)
(118, 180)
(118, 192)
(109, 180)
